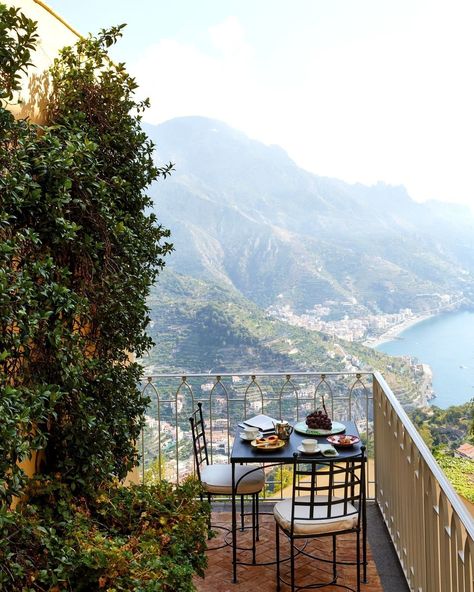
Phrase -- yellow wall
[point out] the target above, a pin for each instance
(54, 33)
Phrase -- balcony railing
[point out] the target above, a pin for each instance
(430, 527)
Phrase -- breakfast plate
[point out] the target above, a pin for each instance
(343, 440)
(267, 444)
(302, 428)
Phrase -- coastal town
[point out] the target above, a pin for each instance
(345, 321)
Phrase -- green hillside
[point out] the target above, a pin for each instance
(202, 327)
(444, 430)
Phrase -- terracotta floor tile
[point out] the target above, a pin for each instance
(263, 578)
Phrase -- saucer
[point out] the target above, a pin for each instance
(303, 451)
(244, 437)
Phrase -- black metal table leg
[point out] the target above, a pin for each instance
(234, 529)
(364, 532)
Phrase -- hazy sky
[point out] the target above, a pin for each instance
(362, 90)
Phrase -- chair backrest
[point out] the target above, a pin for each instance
(324, 489)
(199, 439)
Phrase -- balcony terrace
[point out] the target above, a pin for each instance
(417, 525)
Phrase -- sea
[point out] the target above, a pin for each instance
(446, 343)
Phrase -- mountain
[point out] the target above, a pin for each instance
(244, 216)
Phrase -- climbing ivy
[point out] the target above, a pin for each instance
(78, 253)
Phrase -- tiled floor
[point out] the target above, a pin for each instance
(263, 579)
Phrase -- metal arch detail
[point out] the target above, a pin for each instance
(227, 399)
(323, 381)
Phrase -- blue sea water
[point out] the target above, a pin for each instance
(446, 343)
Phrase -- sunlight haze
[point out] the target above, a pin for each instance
(362, 91)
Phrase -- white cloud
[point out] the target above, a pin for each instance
(395, 107)
(181, 79)
(229, 38)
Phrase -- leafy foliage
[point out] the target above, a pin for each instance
(17, 40)
(445, 428)
(142, 538)
(78, 253)
(460, 472)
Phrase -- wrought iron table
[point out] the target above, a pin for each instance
(244, 453)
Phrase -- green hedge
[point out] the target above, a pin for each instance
(140, 538)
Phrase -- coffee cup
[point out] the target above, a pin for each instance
(250, 432)
(309, 445)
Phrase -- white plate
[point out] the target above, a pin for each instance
(337, 428)
(244, 437)
(303, 451)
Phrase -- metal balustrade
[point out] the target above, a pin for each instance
(431, 528)
(229, 398)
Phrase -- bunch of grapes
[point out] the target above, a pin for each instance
(319, 420)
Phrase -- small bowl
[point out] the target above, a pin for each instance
(347, 440)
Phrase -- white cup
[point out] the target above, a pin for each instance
(251, 433)
(309, 445)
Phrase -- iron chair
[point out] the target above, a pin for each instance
(328, 500)
(216, 479)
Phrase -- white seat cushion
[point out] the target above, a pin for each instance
(218, 479)
(282, 513)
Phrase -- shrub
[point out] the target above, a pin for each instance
(460, 472)
(141, 538)
(79, 250)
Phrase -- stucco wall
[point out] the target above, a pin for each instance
(54, 33)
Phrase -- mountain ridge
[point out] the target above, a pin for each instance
(246, 215)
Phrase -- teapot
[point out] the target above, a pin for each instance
(283, 429)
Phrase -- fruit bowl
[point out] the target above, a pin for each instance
(302, 428)
(343, 440)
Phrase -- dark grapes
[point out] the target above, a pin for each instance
(318, 420)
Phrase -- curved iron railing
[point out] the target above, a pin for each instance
(229, 398)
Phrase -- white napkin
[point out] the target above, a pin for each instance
(328, 450)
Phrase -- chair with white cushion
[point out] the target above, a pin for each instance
(327, 501)
(216, 479)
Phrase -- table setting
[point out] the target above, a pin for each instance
(265, 441)
(316, 435)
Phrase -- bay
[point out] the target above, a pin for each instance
(446, 343)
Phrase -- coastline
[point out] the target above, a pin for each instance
(394, 331)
